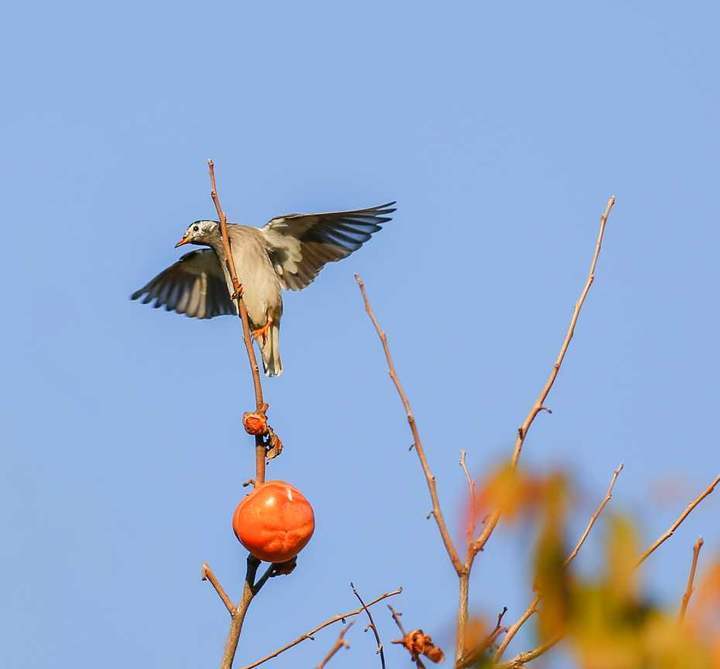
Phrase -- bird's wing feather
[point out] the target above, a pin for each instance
(194, 286)
(299, 245)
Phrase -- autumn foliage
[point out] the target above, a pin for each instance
(607, 620)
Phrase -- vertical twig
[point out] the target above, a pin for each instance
(470, 529)
(461, 625)
(251, 587)
(396, 617)
(497, 630)
(691, 579)
(260, 405)
(237, 617)
(372, 626)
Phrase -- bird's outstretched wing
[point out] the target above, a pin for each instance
(194, 286)
(299, 245)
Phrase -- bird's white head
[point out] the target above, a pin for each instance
(199, 232)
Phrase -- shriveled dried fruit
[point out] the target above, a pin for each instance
(418, 643)
(255, 423)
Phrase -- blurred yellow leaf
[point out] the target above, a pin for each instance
(551, 574)
(623, 547)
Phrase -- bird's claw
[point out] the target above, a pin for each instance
(261, 333)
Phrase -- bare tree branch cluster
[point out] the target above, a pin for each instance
(463, 567)
(341, 617)
(417, 642)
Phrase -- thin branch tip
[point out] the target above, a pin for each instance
(417, 441)
(535, 409)
(689, 588)
(371, 626)
(681, 518)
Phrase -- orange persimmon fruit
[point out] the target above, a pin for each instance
(274, 522)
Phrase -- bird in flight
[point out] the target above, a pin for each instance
(287, 252)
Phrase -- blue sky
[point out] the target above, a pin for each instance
(501, 130)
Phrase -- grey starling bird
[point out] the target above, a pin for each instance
(287, 252)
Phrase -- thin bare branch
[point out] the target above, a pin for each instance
(237, 617)
(671, 530)
(533, 607)
(339, 643)
(539, 404)
(595, 516)
(208, 575)
(260, 406)
(529, 655)
(691, 579)
(371, 626)
(417, 441)
(470, 530)
(310, 634)
(515, 627)
(498, 629)
(461, 624)
(396, 617)
(472, 656)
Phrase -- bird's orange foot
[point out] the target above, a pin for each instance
(261, 333)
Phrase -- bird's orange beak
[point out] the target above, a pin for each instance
(182, 241)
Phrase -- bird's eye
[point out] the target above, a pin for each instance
(196, 228)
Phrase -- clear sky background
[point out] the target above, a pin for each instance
(501, 130)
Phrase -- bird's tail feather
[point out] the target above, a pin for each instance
(270, 349)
